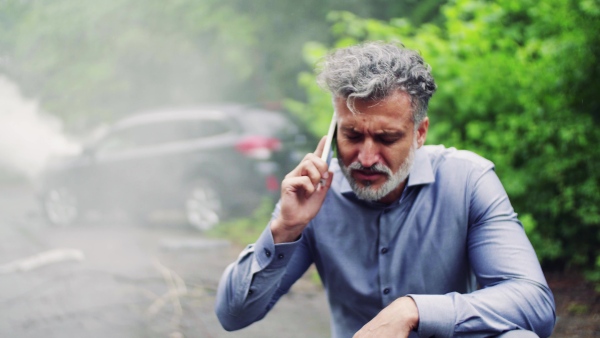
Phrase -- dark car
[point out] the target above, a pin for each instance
(206, 162)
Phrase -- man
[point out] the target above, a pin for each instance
(409, 240)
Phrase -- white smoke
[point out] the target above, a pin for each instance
(28, 136)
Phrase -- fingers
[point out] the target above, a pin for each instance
(310, 175)
(326, 182)
(300, 203)
(302, 194)
(300, 183)
(304, 187)
(320, 146)
(311, 170)
(312, 165)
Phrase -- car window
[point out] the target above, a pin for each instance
(205, 128)
(154, 134)
(267, 123)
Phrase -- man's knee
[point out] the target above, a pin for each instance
(518, 334)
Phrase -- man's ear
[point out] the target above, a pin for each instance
(422, 132)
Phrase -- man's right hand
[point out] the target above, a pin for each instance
(301, 196)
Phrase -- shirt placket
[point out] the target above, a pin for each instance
(390, 221)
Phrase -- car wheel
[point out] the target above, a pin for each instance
(60, 206)
(203, 206)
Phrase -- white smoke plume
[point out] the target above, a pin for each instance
(28, 136)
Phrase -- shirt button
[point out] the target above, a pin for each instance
(384, 250)
(280, 256)
(267, 253)
(386, 291)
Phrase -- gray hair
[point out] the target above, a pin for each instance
(374, 70)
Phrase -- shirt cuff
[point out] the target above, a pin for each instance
(271, 255)
(436, 315)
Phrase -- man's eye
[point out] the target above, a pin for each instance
(353, 137)
(388, 140)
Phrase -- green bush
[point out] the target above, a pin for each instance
(518, 83)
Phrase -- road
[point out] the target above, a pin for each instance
(114, 278)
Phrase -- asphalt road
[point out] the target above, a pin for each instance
(115, 278)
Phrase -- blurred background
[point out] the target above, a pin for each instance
(142, 144)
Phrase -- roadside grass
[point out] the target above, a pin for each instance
(243, 231)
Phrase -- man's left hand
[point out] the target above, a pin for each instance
(396, 320)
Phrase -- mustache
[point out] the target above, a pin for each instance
(376, 168)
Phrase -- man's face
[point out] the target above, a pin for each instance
(376, 146)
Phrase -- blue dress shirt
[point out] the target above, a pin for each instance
(452, 242)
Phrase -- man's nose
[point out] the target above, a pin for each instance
(368, 154)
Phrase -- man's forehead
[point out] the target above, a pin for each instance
(389, 130)
(398, 99)
(385, 116)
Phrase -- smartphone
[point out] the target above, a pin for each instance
(330, 141)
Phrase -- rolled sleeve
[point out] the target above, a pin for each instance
(436, 315)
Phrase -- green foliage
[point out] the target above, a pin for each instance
(577, 309)
(245, 230)
(518, 84)
(593, 275)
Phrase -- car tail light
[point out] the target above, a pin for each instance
(258, 147)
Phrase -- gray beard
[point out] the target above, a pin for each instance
(368, 193)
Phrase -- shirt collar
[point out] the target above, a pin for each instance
(420, 173)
